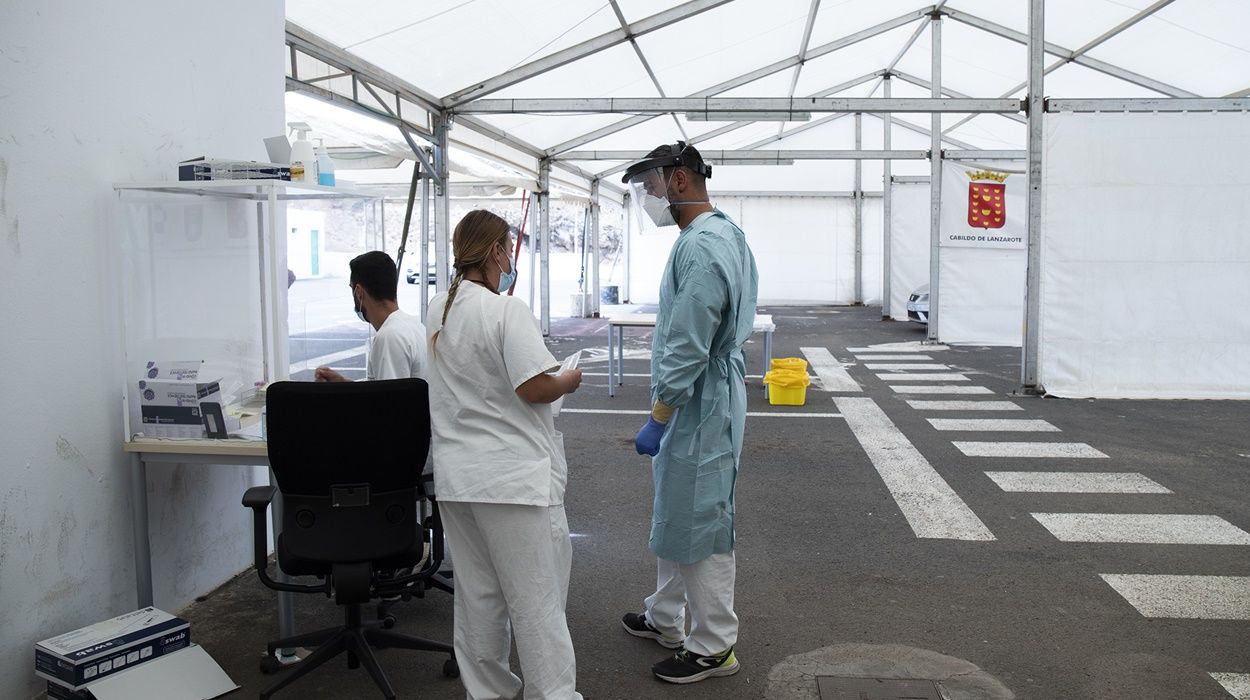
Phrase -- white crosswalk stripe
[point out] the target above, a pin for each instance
(890, 358)
(1137, 528)
(895, 367)
(1237, 684)
(1075, 482)
(909, 377)
(939, 389)
(921, 405)
(993, 425)
(931, 507)
(833, 375)
(1060, 450)
(1188, 597)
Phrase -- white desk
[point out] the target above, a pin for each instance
(145, 451)
(616, 343)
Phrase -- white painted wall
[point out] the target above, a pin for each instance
(90, 95)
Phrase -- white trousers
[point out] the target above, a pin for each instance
(706, 588)
(512, 576)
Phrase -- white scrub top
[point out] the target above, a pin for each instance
(490, 445)
(398, 349)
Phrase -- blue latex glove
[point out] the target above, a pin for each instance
(648, 440)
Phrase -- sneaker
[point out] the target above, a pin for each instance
(688, 667)
(637, 625)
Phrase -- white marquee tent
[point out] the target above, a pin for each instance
(809, 108)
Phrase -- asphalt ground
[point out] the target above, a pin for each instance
(828, 566)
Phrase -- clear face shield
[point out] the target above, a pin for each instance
(648, 193)
(650, 182)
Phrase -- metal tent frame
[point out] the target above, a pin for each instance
(319, 69)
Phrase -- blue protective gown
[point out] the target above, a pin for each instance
(707, 312)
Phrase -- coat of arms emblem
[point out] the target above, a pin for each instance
(987, 193)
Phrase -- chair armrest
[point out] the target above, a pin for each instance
(259, 497)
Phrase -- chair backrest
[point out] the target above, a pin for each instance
(347, 458)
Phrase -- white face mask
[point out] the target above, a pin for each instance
(659, 210)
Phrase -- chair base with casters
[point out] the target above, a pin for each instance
(352, 585)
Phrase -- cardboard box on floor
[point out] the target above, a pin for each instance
(187, 674)
(142, 654)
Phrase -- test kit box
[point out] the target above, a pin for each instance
(175, 402)
(74, 659)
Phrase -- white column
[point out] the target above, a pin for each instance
(425, 244)
(886, 202)
(533, 229)
(544, 242)
(625, 241)
(595, 252)
(859, 211)
(935, 179)
(442, 203)
(1033, 299)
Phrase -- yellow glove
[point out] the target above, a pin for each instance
(661, 413)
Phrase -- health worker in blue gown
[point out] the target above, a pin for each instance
(694, 434)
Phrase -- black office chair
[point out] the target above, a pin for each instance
(347, 458)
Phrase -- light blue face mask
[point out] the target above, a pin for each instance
(507, 279)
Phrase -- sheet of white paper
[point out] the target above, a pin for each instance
(188, 674)
(569, 363)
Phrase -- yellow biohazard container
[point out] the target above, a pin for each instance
(795, 364)
(787, 387)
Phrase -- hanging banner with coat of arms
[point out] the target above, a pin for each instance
(982, 207)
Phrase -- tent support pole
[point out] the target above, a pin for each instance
(442, 203)
(935, 182)
(1032, 297)
(886, 177)
(544, 241)
(859, 212)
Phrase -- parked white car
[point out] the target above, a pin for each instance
(918, 306)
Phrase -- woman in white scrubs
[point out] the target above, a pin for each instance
(499, 473)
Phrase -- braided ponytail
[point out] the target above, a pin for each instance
(475, 237)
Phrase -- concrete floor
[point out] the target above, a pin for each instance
(832, 579)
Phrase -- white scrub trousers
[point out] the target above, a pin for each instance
(706, 587)
(512, 577)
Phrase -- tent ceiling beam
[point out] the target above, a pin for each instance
(713, 105)
(985, 155)
(1071, 56)
(911, 41)
(802, 56)
(854, 82)
(579, 51)
(750, 155)
(344, 102)
(921, 82)
(304, 41)
(747, 78)
(646, 65)
(417, 151)
(1151, 104)
(1075, 54)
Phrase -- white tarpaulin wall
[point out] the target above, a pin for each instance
(804, 248)
(909, 251)
(1146, 256)
(981, 291)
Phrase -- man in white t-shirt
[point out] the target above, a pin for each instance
(398, 348)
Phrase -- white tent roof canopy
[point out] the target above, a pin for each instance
(579, 82)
